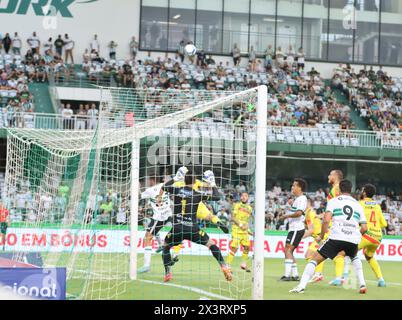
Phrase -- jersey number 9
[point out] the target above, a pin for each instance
(347, 210)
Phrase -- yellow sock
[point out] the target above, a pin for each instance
(230, 257)
(339, 265)
(319, 268)
(215, 219)
(376, 267)
(176, 249)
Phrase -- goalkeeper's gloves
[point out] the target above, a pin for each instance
(223, 227)
(180, 174)
(209, 177)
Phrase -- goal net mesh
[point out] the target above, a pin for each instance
(70, 191)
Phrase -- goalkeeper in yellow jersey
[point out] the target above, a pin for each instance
(334, 178)
(241, 215)
(313, 223)
(371, 240)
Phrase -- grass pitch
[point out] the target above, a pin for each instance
(199, 277)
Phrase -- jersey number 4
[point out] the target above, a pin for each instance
(372, 218)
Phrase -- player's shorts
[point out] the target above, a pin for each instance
(369, 245)
(294, 237)
(155, 226)
(181, 232)
(331, 248)
(3, 227)
(242, 239)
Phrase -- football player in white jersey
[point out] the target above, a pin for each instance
(162, 212)
(348, 224)
(295, 216)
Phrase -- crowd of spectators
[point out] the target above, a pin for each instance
(375, 95)
(111, 207)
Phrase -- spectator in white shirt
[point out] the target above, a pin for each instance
(134, 47)
(93, 117)
(48, 45)
(320, 193)
(34, 43)
(68, 46)
(67, 115)
(95, 46)
(16, 44)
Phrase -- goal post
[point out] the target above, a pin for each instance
(84, 188)
(261, 173)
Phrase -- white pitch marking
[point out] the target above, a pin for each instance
(213, 295)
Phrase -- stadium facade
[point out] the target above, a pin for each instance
(328, 30)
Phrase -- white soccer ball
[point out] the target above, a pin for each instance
(190, 50)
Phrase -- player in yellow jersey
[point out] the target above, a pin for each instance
(371, 240)
(313, 223)
(241, 215)
(334, 178)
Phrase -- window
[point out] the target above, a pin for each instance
(315, 32)
(262, 24)
(154, 25)
(340, 36)
(181, 23)
(209, 25)
(289, 23)
(235, 25)
(391, 30)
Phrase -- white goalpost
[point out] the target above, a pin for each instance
(85, 188)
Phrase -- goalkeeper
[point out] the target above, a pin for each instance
(203, 213)
(185, 226)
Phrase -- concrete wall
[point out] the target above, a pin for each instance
(116, 20)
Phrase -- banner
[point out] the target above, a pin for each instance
(36, 283)
(102, 241)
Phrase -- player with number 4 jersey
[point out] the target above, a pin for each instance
(371, 240)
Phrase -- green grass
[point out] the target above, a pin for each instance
(203, 273)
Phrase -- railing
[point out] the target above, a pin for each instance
(325, 135)
(80, 79)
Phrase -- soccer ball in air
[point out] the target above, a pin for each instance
(190, 50)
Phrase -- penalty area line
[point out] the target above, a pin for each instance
(192, 289)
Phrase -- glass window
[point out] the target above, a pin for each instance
(209, 25)
(367, 37)
(391, 30)
(154, 25)
(262, 24)
(315, 32)
(235, 25)
(288, 30)
(340, 36)
(181, 23)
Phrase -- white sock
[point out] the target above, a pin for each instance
(307, 274)
(288, 267)
(147, 256)
(295, 272)
(346, 267)
(158, 239)
(357, 265)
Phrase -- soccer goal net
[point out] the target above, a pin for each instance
(92, 201)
